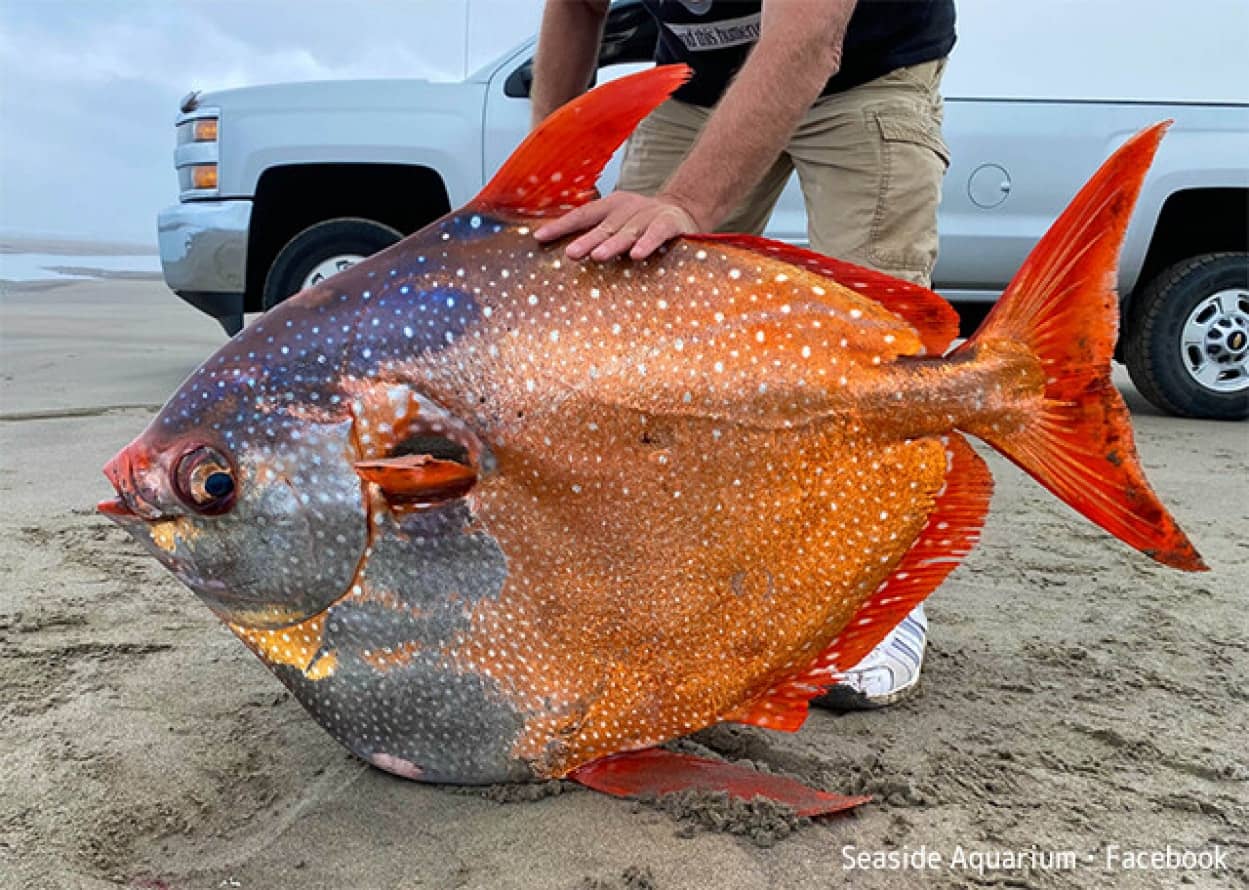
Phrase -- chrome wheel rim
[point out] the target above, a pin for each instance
(1214, 343)
(328, 267)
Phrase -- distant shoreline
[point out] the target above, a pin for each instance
(74, 246)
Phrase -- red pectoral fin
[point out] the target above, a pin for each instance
(418, 477)
(656, 771)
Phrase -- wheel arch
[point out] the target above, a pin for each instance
(1196, 221)
(1192, 221)
(290, 198)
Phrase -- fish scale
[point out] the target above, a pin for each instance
(495, 515)
(703, 599)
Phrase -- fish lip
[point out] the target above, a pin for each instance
(129, 503)
(116, 508)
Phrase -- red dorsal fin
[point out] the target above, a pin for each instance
(928, 312)
(656, 771)
(555, 168)
(952, 529)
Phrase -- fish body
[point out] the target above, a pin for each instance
(492, 514)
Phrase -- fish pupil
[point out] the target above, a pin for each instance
(218, 485)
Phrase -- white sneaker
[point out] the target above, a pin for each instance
(887, 674)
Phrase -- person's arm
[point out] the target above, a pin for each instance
(568, 46)
(799, 49)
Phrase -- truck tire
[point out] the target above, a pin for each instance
(1188, 346)
(322, 250)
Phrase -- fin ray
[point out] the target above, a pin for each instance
(929, 313)
(655, 771)
(949, 534)
(1062, 306)
(540, 178)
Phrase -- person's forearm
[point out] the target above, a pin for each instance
(779, 82)
(568, 46)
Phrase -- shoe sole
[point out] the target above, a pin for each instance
(843, 698)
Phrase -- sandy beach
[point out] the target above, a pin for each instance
(1077, 697)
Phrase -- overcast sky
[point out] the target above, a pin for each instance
(89, 88)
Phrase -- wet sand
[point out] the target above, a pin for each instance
(1076, 695)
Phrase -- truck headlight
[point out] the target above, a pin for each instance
(197, 152)
(204, 130)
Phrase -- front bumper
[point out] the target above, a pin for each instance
(203, 253)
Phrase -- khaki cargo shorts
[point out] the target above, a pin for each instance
(870, 162)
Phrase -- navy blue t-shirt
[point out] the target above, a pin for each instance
(714, 37)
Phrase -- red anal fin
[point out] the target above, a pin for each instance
(929, 313)
(555, 168)
(418, 477)
(952, 529)
(656, 771)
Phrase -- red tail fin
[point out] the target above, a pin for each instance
(1062, 305)
(555, 168)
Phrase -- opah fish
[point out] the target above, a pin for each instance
(495, 515)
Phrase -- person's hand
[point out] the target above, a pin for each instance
(622, 222)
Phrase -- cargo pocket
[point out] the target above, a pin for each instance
(913, 160)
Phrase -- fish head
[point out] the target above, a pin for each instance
(243, 486)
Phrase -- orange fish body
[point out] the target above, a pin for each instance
(605, 505)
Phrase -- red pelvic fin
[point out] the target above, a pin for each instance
(952, 530)
(656, 771)
(555, 168)
(418, 477)
(929, 313)
(1062, 306)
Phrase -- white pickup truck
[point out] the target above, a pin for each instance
(283, 185)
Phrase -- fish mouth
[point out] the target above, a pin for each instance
(123, 471)
(116, 508)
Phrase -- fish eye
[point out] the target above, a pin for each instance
(219, 484)
(204, 480)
